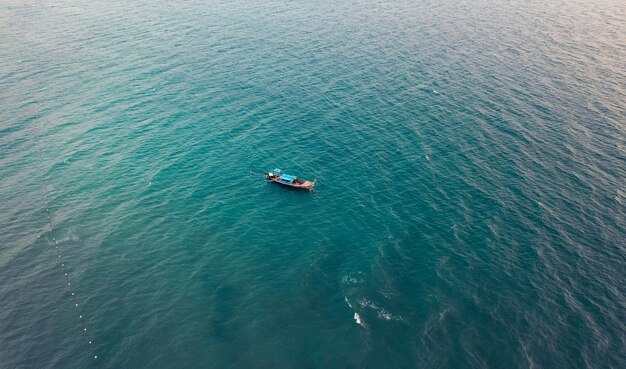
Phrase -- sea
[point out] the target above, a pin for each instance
(469, 209)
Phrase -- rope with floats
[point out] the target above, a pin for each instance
(60, 259)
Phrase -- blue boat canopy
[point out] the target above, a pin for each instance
(288, 177)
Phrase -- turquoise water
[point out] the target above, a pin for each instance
(469, 210)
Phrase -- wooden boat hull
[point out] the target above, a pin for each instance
(301, 184)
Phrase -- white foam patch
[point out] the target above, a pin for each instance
(352, 279)
(358, 320)
(357, 317)
(347, 302)
(70, 238)
(380, 311)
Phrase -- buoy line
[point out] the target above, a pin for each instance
(60, 259)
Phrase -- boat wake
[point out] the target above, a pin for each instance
(381, 313)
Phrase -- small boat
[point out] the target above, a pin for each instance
(288, 180)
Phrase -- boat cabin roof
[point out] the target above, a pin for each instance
(287, 177)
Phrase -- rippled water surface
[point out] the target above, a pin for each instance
(469, 210)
